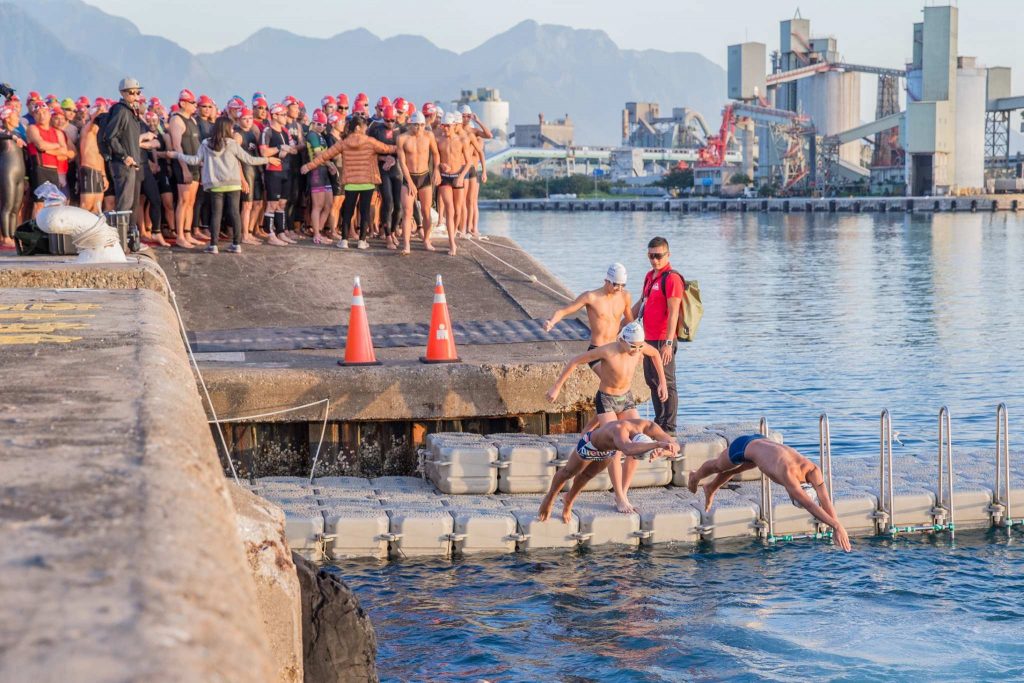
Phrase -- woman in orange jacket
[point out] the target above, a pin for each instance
(359, 174)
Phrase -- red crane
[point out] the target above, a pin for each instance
(712, 154)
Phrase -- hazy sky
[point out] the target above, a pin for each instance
(869, 31)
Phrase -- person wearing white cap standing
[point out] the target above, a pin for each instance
(417, 153)
(609, 308)
(120, 138)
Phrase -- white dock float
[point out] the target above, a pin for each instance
(484, 530)
(420, 532)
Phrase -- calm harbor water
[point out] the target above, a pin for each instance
(844, 314)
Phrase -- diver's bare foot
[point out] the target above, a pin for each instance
(428, 246)
(566, 514)
(624, 507)
(709, 497)
(692, 482)
(545, 508)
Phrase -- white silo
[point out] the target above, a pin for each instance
(832, 100)
(971, 81)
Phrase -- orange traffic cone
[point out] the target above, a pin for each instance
(441, 340)
(359, 344)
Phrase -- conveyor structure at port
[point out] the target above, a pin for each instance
(481, 494)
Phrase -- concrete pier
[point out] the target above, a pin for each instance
(378, 414)
(984, 203)
(120, 557)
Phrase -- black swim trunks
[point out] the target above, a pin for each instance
(610, 403)
(179, 175)
(592, 363)
(90, 181)
(277, 185)
(449, 179)
(421, 180)
(471, 174)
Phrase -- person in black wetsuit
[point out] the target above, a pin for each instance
(296, 181)
(247, 136)
(391, 176)
(151, 186)
(12, 175)
(201, 215)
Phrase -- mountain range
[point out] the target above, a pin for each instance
(70, 48)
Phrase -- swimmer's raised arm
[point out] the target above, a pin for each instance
(586, 357)
(576, 305)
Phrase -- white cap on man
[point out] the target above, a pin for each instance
(464, 109)
(616, 274)
(417, 117)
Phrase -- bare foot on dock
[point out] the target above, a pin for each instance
(709, 497)
(624, 506)
(566, 514)
(428, 246)
(692, 482)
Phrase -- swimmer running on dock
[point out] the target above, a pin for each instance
(615, 364)
(634, 438)
(783, 465)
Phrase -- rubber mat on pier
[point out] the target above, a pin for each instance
(384, 336)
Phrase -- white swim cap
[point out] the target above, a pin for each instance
(641, 438)
(632, 333)
(465, 109)
(616, 274)
(417, 117)
(811, 493)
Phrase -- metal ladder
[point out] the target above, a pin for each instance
(943, 513)
(1002, 514)
(767, 521)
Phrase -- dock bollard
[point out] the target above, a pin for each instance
(441, 339)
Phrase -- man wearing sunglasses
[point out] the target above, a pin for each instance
(660, 308)
(121, 135)
(616, 364)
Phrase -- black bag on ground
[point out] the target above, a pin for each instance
(31, 240)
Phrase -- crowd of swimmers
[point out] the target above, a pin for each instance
(258, 171)
(625, 333)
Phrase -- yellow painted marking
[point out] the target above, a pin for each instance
(39, 328)
(12, 339)
(42, 316)
(50, 306)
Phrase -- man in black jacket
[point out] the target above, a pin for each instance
(121, 142)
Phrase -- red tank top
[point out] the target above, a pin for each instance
(49, 160)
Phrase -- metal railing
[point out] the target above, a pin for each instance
(885, 494)
(825, 452)
(767, 521)
(944, 511)
(1002, 513)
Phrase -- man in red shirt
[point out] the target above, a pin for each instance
(661, 305)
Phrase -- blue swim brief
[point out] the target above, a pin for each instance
(587, 451)
(739, 446)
